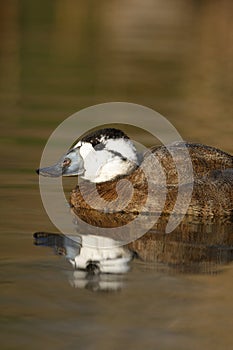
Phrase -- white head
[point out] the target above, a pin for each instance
(100, 156)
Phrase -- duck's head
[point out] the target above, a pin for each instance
(98, 157)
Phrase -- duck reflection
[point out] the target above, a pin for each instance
(95, 267)
(195, 246)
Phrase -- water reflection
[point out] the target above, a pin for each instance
(95, 267)
(195, 246)
(103, 282)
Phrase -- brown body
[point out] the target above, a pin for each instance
(212, 193)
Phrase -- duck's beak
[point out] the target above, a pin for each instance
(69, 165)
(52, 171)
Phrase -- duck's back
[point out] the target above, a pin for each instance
(204, 160)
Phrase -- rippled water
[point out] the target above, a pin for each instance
(56, 58)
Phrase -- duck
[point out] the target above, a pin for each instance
(107, 163)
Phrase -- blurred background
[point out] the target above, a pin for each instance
(59, 56)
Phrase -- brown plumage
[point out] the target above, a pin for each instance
(212, 193)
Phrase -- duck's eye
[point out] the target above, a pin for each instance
(66, 162)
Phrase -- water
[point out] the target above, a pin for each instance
(56, 58)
